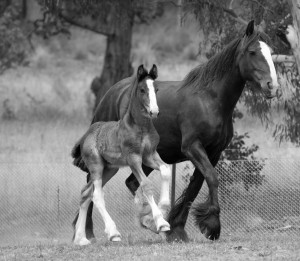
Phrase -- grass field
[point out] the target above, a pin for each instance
(275, 247)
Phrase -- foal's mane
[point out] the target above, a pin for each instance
(221, 63)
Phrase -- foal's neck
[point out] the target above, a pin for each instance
(135, 116)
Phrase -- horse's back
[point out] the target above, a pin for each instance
(113, 104)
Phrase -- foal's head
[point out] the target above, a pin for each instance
(146, 91)
(255, 62)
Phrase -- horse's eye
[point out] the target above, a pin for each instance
(143, 91)
(156, 90)
(252, 52)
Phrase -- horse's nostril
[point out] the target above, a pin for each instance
(270, 85)
(279, 93)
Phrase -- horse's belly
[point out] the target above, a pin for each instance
(115, 159)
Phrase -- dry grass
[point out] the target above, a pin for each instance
(279, 247)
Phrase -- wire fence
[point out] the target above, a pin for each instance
(39, 201)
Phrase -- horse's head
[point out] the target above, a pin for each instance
(146, 91)
(255, 62)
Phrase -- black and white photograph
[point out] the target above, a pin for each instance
(150, 130)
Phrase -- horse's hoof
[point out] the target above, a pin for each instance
(211, 227)
(163, 225)
(90, 235)
(177, 234)
(115, 238)
(207, 218)
(212, 233)
(82, 241)
(148, 223)
(164, 228)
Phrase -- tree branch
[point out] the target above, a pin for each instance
(87, 24)
(281, 58)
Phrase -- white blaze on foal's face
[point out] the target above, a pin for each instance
(152, 97)
(266, 51)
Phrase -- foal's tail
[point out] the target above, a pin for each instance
(76, 155)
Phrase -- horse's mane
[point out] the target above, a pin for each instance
(216, 67)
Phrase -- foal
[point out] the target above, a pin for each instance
(107, 146)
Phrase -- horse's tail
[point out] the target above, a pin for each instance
(76, 155)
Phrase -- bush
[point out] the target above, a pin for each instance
(13, 43)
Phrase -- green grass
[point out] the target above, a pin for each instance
(276, 247)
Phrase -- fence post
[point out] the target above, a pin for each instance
(173, 185)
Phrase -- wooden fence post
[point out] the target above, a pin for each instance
(173, 185)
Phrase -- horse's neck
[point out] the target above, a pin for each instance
(229, 90)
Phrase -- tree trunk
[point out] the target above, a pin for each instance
(293, 35)
(117, 65)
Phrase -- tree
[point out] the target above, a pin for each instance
(13, 41)
(115, 20)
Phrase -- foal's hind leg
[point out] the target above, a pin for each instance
(146, 187)
(79, 237)
(97, 173)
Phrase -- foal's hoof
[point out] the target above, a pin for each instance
(177, 234)
(82, 241)
(115, 238)
(148, 223)
(164, 228)
(163, 225)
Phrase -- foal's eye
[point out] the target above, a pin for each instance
(143, 91)
(252, 52)
(156, 90)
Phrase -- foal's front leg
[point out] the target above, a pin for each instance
(135, 164)
(154, 161)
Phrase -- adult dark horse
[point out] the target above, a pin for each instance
(195, 122)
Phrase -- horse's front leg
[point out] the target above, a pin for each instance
(146, 187)
(179, 213)
(206, 214)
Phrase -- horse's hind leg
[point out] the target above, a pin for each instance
(147, 188)
(97, 174)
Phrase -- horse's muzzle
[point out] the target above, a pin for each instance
(154, 113)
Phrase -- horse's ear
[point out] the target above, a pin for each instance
(141, 72)
(250, 28)
(153, 72)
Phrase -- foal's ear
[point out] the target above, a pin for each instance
(153, 72)
(250, 28)
(141, 72)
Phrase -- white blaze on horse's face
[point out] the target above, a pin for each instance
(153, 107)
(266, 51)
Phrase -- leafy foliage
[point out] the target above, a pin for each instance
(13, 42)
(235, 162)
